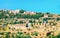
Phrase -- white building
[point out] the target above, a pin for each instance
(14, 11)
(29, 13)
(45, 15)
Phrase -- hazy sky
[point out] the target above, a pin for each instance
(32, 5)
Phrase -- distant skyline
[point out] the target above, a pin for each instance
(52, 6)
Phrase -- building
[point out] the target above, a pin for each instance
(18, 26)
(14, 11)
(29, 13)
(28, 25)
(45, 15)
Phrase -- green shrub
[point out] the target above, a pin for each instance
(35, 34)
(20, 33)
(58, 36)
(27, 36)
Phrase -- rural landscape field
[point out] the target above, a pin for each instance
(27, 24)
(29, 18)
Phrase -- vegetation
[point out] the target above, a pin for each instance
(35, 34)
(35, 19)
(14, 35)
(21, 11)
(52, 36)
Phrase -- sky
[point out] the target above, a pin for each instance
(52, 6)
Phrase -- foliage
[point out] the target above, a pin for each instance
(20, 33)
(57, 19)
(58, 36)
(52, 36)
(35, 33)
(53, 23)
(27, 36)
(21, 11)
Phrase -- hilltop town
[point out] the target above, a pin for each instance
(26, 24)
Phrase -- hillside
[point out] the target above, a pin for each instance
(25, 24)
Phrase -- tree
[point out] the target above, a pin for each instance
(57, 19)
(27, 36)
(20, 33)
(35, 33)
(58, 36)
(8, 35)
(21, 11)
(40, 22)
(52, 36)
(47, 13)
